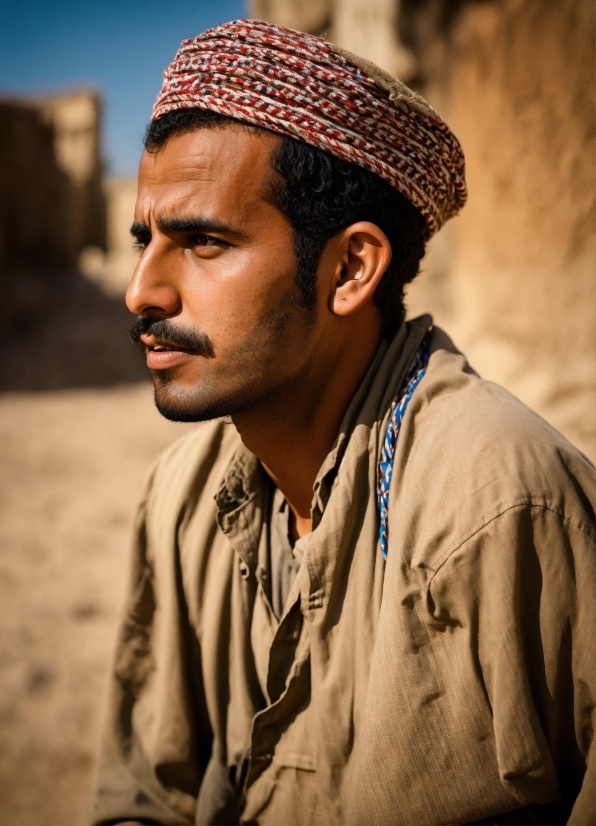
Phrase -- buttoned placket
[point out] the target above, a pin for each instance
(239, 500)
(288, 671)
(288, 680)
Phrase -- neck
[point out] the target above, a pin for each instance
(293, 432)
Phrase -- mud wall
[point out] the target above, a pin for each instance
(515, 80)
(51, 200)
(112, 268)
(513, 278)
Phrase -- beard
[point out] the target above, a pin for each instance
(199, 404)
(255, 369)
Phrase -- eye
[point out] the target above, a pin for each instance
(141, 242)
(207, 241)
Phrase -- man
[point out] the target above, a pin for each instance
(370, 598)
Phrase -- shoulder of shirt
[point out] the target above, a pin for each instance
(469, 451)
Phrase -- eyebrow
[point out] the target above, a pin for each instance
(138, 229)
(197, 225)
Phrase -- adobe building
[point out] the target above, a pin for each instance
(52, 204)
(513, 278)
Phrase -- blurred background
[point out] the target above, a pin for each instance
(513, 280)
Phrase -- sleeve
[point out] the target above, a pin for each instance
(157, 739)
(524, 589)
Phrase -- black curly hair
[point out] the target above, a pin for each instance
(321, 195)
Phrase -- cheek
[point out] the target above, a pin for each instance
(230, 296)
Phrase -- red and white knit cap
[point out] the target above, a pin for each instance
(299, 85)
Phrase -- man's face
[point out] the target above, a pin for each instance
(215, 281)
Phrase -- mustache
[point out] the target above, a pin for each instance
(189, 339)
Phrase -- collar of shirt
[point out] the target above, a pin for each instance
(243, 488)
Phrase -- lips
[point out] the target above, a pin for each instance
(162, 354)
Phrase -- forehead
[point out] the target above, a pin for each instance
(218, 168)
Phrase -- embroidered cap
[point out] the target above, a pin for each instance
(299, 85)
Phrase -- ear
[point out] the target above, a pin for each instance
(363, 254)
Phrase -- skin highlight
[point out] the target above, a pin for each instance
(216, 272)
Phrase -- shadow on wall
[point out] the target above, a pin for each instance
(59, 329)
(81, 341)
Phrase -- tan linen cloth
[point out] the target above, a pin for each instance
(451, 683)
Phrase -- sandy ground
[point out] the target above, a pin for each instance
(72, 464)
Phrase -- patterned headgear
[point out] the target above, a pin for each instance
(299, 85)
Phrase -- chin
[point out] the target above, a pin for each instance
(178, 409)
(179, 404)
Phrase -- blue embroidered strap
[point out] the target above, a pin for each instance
(398, 409)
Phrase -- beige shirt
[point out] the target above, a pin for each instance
(453, 682)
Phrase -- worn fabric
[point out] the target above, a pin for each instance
(302, 86)
(452, 683)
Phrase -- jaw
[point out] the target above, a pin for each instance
(253, 383)
(249, 378)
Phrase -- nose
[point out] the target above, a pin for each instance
(152, 289)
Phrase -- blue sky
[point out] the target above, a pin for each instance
(119, 47)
